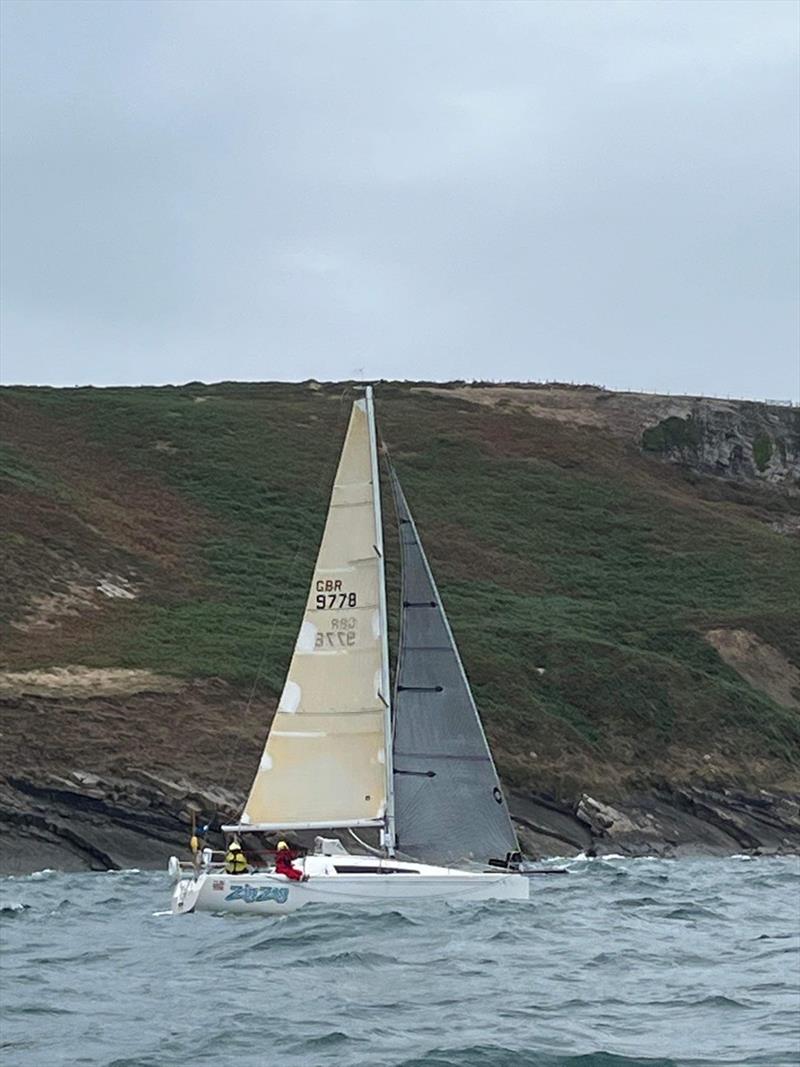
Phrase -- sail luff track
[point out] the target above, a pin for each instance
(385, 693)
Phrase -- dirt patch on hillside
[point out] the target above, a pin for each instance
(563, 405)
(85, 682)
(763, 666)
(75, 595)
(622, 414)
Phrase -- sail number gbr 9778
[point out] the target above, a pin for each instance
(331, 597)
(340, 632)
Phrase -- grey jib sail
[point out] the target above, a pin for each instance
(448, 802)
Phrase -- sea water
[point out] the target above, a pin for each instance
(618, 962)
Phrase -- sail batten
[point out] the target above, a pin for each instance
(449, 804)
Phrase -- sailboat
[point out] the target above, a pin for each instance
(346, 755)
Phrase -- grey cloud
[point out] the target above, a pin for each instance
(588, 191)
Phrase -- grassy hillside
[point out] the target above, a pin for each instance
(580, 574)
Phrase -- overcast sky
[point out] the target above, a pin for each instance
(591, 192)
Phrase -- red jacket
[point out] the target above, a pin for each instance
(283, 865)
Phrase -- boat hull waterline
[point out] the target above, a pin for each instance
(266, 893)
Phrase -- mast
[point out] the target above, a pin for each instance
(385, 693)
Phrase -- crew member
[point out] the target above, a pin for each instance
(283, 863)
(235, 859)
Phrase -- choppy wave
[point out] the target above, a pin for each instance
(621, 963)
(500, 1056)
(13, 908)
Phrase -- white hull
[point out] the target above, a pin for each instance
(267, 893)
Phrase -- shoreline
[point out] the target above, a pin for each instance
(91, 822)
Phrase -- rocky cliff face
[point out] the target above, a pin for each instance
(741, 441)
(736, 439)
(666, 821)
(128, 817)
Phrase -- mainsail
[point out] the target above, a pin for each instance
(448, 802)
(327, 760)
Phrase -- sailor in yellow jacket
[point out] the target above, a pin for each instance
(235, 859)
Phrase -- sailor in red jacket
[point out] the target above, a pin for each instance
(283, 863)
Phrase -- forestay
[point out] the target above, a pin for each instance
(324, 763)
(449, 805)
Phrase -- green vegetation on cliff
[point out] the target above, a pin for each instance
(762, 451)
(580, 575)
(670, 433)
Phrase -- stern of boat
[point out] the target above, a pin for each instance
(188, 883)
